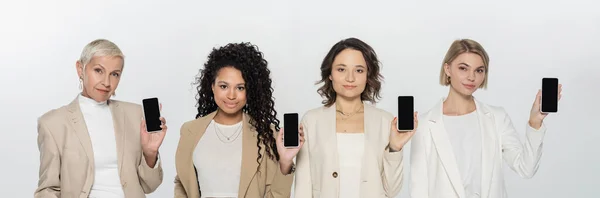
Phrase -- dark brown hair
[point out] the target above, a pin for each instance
(374, 78)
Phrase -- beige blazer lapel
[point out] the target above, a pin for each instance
(372, 130)
(78, 123)
(185, 157)
(489, 140)
(444, 148)
(120, 134)
(371, 126)
(325, 145)
(329, 135)
(249, 156)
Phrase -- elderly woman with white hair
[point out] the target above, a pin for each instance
(96, 146)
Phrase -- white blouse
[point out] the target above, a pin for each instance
(218, 160)
(99, 122)
(465, 137)
(350, 152)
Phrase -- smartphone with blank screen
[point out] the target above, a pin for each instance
(549, 100)
(152, 114)
(290, 129)
(406, 120)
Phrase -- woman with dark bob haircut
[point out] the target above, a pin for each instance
(229, 150)
(351, 148)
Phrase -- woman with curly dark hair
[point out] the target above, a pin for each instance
(229, 150)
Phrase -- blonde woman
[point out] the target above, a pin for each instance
(459, 148)
(96, 146)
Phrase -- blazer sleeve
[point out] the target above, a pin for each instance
(419, 178)
(278, 185)
(303, 182)
(49, 172)
(393, 176)
(393, 173)
(150, 177)
(523, 158)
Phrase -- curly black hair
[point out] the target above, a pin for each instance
(260, 101)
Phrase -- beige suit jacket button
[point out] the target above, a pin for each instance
(335, 174)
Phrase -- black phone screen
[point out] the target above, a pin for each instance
(405, 113)
(549, 95)
(152, 114)
(290, 124)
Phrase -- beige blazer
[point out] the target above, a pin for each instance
(433, 169)
(67, 158)
(256, 181)
(317, 169)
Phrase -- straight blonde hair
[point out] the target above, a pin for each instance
(459, 47)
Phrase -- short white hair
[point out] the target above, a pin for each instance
(99, 47)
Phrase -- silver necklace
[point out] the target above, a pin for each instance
(236, 134)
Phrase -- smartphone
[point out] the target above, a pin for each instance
(152, 114)
(406, 120)
(290, 128)
(549, 95)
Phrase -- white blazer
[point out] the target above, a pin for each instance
(434, 172)
(317, 162)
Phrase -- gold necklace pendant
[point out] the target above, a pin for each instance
(348, 115)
